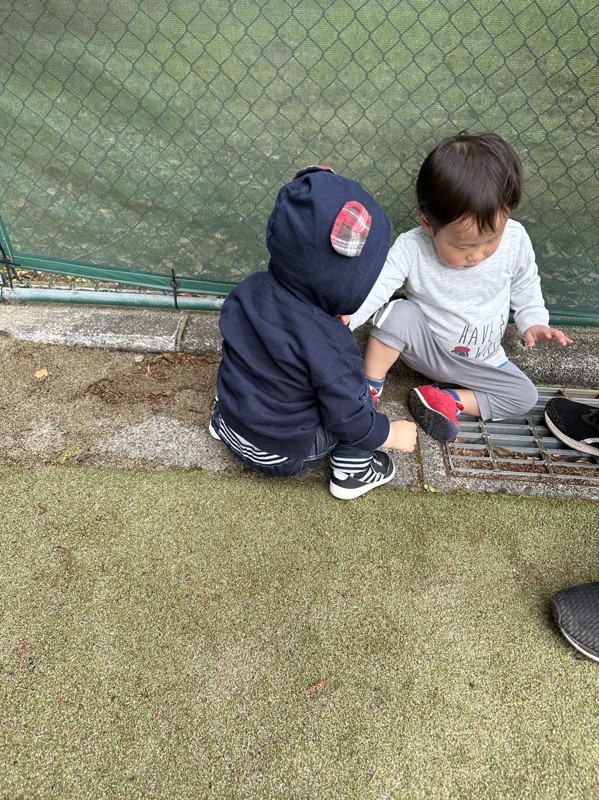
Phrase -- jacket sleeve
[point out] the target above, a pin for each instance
(348, 413)
(526, 298)
(392, 278)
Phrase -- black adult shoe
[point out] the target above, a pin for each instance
(575, 424)
(380, 471)
(576, 612)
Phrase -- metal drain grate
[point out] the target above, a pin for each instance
(522, 448)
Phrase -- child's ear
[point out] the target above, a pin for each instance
(424, 223)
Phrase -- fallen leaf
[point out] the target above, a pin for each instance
(69, 566)
(62, 459)
(502, 451)
(318, 686)
(41, 374)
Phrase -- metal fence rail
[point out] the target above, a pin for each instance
(143, 141)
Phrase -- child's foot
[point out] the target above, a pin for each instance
(380, 471)
(212, 431)
(436, 412)
(576, 612)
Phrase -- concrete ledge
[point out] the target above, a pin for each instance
(552, 365)
(112, 328)
(196, 332)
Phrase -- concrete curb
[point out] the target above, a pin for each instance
(162, 441)
(196, 332)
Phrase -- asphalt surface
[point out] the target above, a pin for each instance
(102, 329)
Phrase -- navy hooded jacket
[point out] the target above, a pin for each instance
(288, 365)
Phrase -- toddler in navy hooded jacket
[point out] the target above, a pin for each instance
(291, 386)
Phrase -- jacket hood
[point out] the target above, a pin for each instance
(303, 256)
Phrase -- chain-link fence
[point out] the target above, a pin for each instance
(152, 136)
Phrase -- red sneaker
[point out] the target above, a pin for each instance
(436, 412)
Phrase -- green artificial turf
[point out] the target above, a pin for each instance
(180, 635)
(148, 135)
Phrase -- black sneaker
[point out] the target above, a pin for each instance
(576, 424)
(380, 471)
(576, 612)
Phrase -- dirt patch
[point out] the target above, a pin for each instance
(61, 404)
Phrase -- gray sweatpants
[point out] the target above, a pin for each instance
(500, 391)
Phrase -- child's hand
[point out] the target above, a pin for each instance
(402, 436)
(539, 333)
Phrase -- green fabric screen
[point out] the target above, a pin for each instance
(150, 136)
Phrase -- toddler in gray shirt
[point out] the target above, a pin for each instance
(462, 269)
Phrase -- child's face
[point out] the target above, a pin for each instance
(461, 245)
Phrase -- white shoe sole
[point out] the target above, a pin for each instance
(579, 647)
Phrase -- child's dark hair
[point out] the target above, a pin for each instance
(469, 176)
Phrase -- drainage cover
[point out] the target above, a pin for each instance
(523, 447)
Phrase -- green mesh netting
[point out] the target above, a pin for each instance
(149, 136)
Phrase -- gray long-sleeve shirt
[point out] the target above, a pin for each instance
(467, 309)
